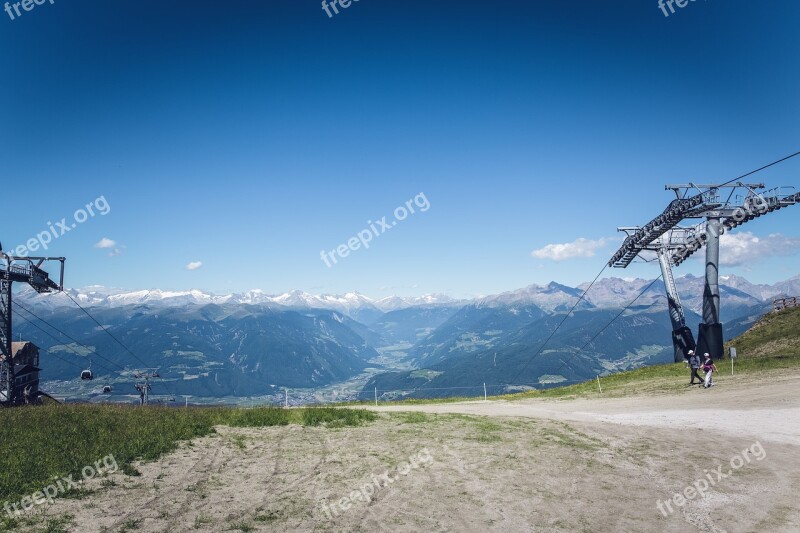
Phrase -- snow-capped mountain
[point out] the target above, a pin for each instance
(352, 304)
(618, 292)
(232, 344)
(605, 293)
(762, 292)
(733, 300)
(551, 297)
(395, 303)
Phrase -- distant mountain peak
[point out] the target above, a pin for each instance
(553, 297)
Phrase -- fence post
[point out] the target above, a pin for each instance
(484, 392)
(376, 396)
(598, 384)
(286, 397)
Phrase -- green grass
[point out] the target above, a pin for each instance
(38, 443)
(334, 417)
(413, 418)
(774, 334)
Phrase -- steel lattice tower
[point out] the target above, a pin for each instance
(27, 270)
(673, 244)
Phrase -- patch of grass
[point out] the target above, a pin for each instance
(258, 417)
(129, 470)
(131, 525)
(243, 526)
(425, 374)
(485, 430)
(8, 523)
(269, 516)
(40, 442)
(60, 524)
(77, 493)
(568, 438)
(414, 418)
(201, 520)
(336, 417)
(239, 441)
(775, 334)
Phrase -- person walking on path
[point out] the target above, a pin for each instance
(694, 362)
(709, 368)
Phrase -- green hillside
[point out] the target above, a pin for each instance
(775, 334)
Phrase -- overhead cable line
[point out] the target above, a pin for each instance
(541, 348)
(609, 324)
(762, 168)
(90, 350)
(32, 323)
(144, 365)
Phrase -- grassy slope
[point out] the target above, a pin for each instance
(37, 443)
(774, 334)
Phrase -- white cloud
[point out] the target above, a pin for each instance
(194, 265)
(743, 248)
(105, 242)
(579, 248)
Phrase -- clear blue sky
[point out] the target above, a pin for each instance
(249, 136)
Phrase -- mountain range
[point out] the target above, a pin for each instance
(253, 343)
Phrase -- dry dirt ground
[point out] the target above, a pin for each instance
(536, 465)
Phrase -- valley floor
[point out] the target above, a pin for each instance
(530, 465)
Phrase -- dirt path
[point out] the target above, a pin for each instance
(545, 466)
(767, 411)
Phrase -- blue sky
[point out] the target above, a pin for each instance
(250, 136)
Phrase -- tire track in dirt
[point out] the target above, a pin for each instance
(274, 487)
(202, 466)
(192, 496)
(383, 505)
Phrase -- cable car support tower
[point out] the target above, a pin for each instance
(673, 244)
(22, 270)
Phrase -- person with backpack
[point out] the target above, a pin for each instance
(709, 368)
(694, 363)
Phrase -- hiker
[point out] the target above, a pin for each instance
(709, 368)
(694, 362)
